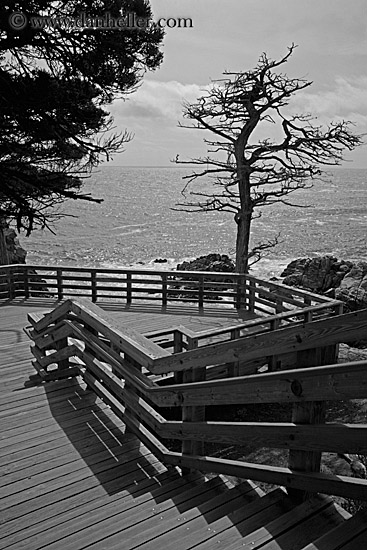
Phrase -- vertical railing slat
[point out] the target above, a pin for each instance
(94, 285)
(11, 283)
(201, 291)
(26, 282)
(164, 289)
(128, 288)
(60, 293)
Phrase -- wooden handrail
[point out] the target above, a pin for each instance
(86, 335)
(333, 330)
(130, 285)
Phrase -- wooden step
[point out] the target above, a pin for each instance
(344, 536)
(131, 525)
(78, 519)
(288, 530)
(230, 528)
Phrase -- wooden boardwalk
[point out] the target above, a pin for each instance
(71, 478)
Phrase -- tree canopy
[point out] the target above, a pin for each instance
(251, 171)
(55, 83)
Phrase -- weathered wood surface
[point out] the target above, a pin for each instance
(71, 478)
(305, 481)
(334, 382)
(131, 285)
(320, 333)
(144, 318)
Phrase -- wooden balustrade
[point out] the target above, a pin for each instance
(118, 365)
(264, 298)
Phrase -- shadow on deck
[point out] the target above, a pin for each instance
(72, 476)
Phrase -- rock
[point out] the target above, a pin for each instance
(16, 253)
(160, 261)
(353, 288)
(211, 262)
(337, 279)
(347, 354)
(319, 274)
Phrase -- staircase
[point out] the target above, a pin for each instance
(194, 511)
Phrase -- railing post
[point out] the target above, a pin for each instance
(177, 348)
(193, 414)
(128, 288)
(241, 292)
(164, 289)
(117, 350)
(26, 282)
(11, 283)
(307, 316)
(309, 412)
(94, 332)
(234, 368)
(273, 360)
(129, 388)
(63, 363)
(59, 284)
(177, 341)
(201, 291)
(251, 297)
(278, 305)
(94, 286)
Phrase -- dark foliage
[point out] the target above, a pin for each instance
(54, 84)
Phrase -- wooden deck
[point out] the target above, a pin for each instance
(71, 478)
(142, 317)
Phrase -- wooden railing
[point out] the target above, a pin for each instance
(131, 285)
(123, 368)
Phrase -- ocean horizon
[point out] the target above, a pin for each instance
(136, 223)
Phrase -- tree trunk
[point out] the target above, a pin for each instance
(242, 241)
(243, 219)
(4, 256)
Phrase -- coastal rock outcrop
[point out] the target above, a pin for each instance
(210, 262)
(16, 254)
(320, 274)
(353, 288)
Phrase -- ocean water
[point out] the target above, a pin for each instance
(137, 223)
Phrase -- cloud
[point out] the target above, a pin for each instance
(347, 100)
(152, 114)
(159, 101)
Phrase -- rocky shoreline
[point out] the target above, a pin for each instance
(340, 279)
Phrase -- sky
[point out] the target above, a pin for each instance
(230, 35)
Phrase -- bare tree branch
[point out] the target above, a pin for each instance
(259, 172)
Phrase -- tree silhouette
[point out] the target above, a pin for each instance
(55, 83)
(251, 172)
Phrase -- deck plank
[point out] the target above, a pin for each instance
(135, 527)
(130, 506)
(343, 535)
(70, 477)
